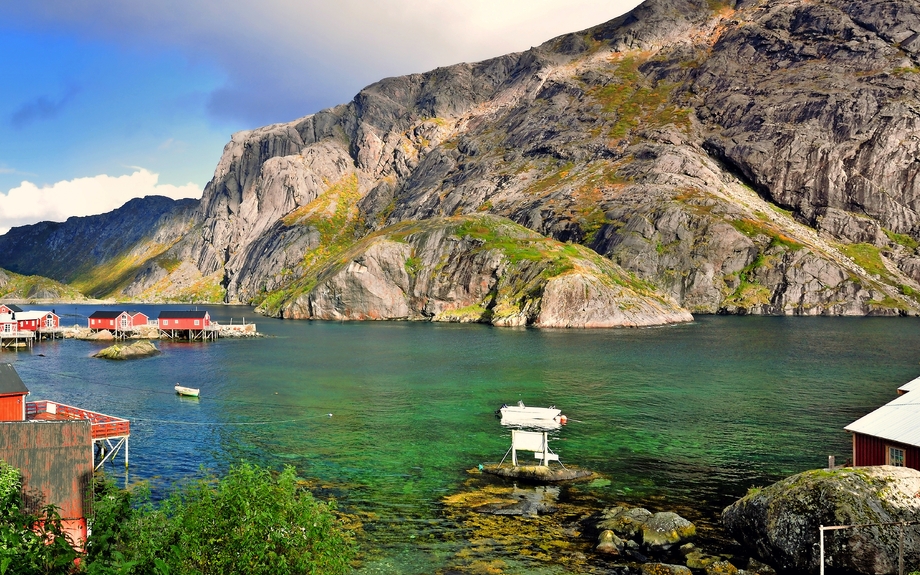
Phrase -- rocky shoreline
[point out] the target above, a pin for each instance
(771, 530)
(152, 332)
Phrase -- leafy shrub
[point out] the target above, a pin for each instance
(246, 522)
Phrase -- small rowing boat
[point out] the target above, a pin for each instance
(187, 391)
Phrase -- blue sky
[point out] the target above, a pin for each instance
(102, 101)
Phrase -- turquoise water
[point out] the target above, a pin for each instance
(684, 417)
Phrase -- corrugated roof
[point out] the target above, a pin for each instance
(10, 381)
(181, 314)
(910, 385)
(898, 420)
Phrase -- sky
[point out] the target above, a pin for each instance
(104, 101)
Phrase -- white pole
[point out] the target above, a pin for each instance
(821, 530)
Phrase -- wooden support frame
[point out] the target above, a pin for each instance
(107, 448)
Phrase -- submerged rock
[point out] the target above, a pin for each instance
(665, 529)
(524, 502)
(625, 521)
(780, 523)
(136, 350)
(664, 569)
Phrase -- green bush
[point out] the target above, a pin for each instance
(247, 522)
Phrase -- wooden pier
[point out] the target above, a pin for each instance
(16, 339)
(209, 333)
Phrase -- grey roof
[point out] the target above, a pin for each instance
(106, 314)
(13, 307)
(898, 420)
(10, 381)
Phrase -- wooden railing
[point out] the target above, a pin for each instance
(102, 426)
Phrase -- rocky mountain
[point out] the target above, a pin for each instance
(19, 288)
(100, 255)
(728, 156)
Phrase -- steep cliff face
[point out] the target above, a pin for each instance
(742, 157)
(476, 269)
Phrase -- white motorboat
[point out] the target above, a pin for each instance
(186, 391)
(523, 413)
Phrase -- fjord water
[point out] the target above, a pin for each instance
(684, 417)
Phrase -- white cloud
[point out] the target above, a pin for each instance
(28, 203)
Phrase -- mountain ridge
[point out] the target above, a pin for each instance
(743, 157)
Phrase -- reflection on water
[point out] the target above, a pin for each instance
(685, 417)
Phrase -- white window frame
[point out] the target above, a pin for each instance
(895, 456)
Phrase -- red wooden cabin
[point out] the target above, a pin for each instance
(110, 320)
(183, 320)
(13, 394)
(9, 308)
(52, 446)
(56, 462)
(139, 318)
(890, 435)
(50, 320)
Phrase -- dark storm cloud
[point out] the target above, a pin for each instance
(41, 108)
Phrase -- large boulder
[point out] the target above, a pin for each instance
(780, 523)
(136, 350)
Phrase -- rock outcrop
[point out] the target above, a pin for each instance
(749, 157)
(627, 530)
(478, 269)
(137, 350)
(780, 523)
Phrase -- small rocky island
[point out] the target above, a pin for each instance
(137, 350)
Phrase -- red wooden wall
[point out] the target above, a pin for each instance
(869, 450)
(12, 408)
(56, 461)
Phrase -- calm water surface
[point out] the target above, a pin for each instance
(685, 417)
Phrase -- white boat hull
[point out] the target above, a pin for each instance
(523, 412)
(187, 391)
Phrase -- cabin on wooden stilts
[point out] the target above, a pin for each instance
(189, 325)
(11, 336)
(54, 447)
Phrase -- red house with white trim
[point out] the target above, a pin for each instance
(8, 324)
(111, 320)
(9, 308)
(890, 435)
(36, 320)
(183, 320)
